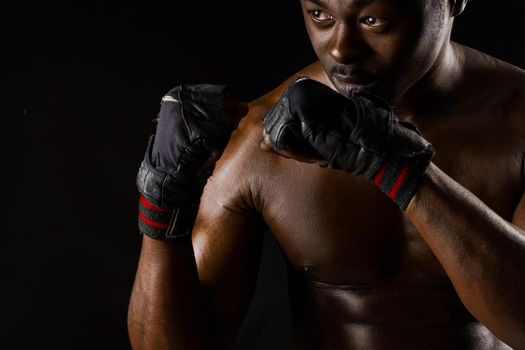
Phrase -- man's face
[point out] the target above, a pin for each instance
(383, 46)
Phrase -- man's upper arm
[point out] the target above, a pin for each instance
(227, 240)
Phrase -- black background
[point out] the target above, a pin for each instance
(81, 84)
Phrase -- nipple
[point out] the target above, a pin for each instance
(305, 269)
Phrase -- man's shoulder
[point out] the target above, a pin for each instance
(509, 80)
(313, 71)
(244, 143)
(512, 81)
(495, 85)
(243, 162)
(492, 74)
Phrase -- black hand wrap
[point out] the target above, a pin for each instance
(358, 134)
(191, 134)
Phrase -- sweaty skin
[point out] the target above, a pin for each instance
(446, 274)
(360, 274)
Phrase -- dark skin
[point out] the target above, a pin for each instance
(445, 274)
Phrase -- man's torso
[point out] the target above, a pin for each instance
(360, 275)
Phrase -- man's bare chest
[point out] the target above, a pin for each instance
(339, 229)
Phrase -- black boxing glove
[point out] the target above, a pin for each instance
(358, 134)
(192, 130)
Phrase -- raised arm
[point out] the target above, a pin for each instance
(195, 296)
(192, 295)
(482, 253)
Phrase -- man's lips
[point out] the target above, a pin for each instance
(354, 80)
(349, 85)
(348, 75)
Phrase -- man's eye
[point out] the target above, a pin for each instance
(375, 22)
(320, 16)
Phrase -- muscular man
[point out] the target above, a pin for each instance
(435, 259)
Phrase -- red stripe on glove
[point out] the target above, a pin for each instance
(152, 223)
(148, 205)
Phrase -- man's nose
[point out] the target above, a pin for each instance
(347, 45)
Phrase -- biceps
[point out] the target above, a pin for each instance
(227, 247)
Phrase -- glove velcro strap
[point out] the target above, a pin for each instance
(166, 224)
(399, 178)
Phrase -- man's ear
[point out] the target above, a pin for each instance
(457, 7)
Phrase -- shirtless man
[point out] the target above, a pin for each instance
(443, 270)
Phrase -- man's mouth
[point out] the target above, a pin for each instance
(348, 80)
(350, 85)
(353, 79)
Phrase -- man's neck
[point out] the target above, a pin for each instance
(431, 92)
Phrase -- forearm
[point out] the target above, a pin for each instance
(482, 253)
(194, 126)
(166, 310)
